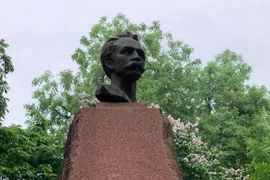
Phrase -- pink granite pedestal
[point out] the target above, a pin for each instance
(120, 141)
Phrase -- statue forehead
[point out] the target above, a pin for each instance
(128, 42)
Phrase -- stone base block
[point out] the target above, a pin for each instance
(120, 141)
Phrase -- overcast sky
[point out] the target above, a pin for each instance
(43, 34)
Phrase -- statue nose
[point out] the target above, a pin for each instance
(136, 57)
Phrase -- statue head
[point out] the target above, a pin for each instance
(122, 55)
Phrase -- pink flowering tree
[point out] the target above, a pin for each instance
(86, 101)
(197, 160)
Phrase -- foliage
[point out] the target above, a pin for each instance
(197, 160)
(167, 59)
(57, 100)
(260, 159)
(233, 117)
(24, 153)
(6, 67)
(233, 112)
(28, 154)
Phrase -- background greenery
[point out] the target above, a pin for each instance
(233, 118)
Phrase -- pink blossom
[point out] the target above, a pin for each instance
(83, 95)
(174, 129)
(195, 124)
(179, 125)
(170, 118)
(188, 125)
(186, 160)
(156, 106)
(96, 100)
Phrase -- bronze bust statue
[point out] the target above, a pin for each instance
(123, 61)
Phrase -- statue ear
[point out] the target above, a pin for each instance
(108, 61)
(136, 37)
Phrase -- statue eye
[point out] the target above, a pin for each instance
(127, 50)
(141, 53)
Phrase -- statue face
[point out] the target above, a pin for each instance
(129, 59)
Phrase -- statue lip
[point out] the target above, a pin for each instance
(135, 66)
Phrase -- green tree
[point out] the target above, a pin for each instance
(28, 154)
(167, 58)
(259, 155)
(234, 112)
(24, 153)
(6, 67)
(231, 114)
(222, 84)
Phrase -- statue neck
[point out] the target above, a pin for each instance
(127, 86)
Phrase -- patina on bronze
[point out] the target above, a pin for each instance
(123, 61)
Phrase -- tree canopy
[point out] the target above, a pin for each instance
(231, 117)
(6, 67)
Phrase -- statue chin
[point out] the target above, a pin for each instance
(133, 72)
(132, 75)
